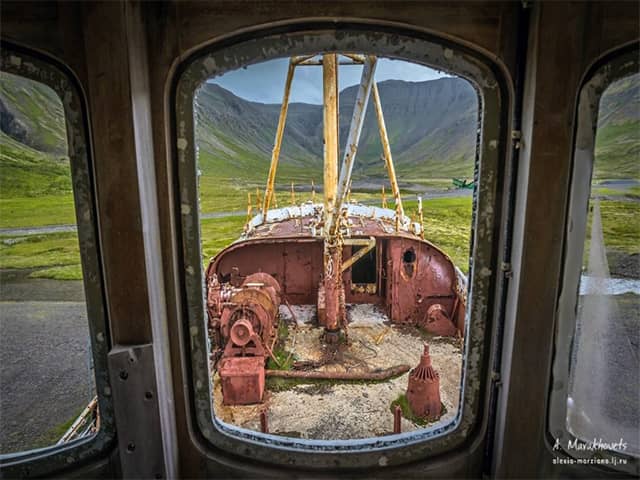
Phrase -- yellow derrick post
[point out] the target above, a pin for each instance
(275, 154)
(293, 194)
(420, 217)
(249, 206)
(388, 160)
(330, 134)
(274, 198)
(384, 198)
(313, 192)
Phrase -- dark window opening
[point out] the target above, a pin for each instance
(409, 262)
(364, 270)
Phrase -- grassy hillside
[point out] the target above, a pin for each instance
(618, 133)
(35, 176)
(431, 127)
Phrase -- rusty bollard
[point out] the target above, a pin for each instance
(263, 422)
(397, 418)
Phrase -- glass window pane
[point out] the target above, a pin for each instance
(46, 368)
(604, 387)
(399, 293)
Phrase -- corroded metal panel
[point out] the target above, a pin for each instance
(133, 379)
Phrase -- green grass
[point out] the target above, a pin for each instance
(447, 224)
(51, 436)
(620, 225)
(618, 151)
(20, 212)
(284, 358)
(218, 233)
(57, 255)
(26, 172)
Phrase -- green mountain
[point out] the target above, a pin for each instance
(33, 144)
(431, 126)
(618, 133)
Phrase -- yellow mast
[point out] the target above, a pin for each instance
(330, 120)
(388, 160)
(275, 154)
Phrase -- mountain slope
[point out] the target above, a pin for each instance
(33, 153)
(429, 124)
(618, 133)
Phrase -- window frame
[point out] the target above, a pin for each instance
(614, 66)
(42, 68)
(485, 285)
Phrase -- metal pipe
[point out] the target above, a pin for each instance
(78, 422)
(297, 60)
(275, 154)
(355, 57)
(357, 121)
(264, 426)
(316, 63)
(397, 419)
(388, 160)
(370, 375)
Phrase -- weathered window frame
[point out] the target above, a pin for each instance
(301, 39)
(613, 67)
(46, 70)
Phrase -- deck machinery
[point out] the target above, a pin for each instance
(329, 254)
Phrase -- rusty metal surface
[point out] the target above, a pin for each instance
(423, 390)
(375, 375)
(242, 380)
(137, 412)
(408, 290)
(397, 420)
(242, 324)
(438, 321)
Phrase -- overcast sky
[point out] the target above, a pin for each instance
(264, 82)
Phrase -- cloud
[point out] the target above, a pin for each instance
(264, 82)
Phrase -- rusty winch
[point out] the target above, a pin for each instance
(243, 326)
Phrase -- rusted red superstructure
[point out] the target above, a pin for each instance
(423, 391)
(408, 276)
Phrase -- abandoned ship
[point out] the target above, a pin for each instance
(332, 256)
